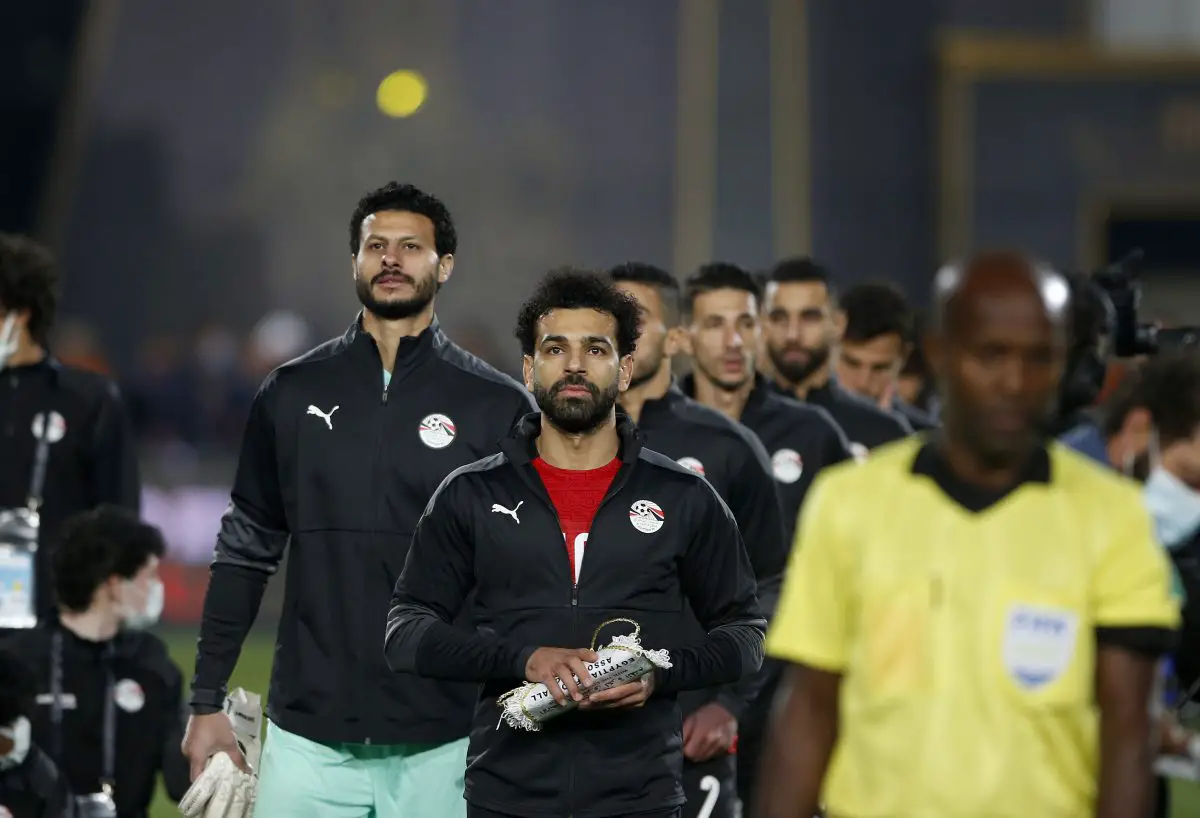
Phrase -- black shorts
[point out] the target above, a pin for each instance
(479, 812)
(711, 788)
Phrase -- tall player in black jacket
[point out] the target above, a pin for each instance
(735, 463)
(343, 449)
(572, 524)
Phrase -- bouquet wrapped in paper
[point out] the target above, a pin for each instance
(622, 661)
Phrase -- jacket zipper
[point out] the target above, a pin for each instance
(377, 465)
(614, 488)
(618, 483)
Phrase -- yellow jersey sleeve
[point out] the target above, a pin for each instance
(811, 622)
(1131, 583)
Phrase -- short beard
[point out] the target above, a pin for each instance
(797, 373)
(425, 290)
(576, 416)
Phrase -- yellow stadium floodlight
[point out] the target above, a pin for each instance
(401, 93)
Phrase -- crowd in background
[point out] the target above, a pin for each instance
(195, 388)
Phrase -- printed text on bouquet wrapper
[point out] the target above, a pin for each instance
(607, 667)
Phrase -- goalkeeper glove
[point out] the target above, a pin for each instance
(223, 790)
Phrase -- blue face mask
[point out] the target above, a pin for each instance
(1174, 506)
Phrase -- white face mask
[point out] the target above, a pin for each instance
(150, 611)
(20, 732)
(1174, 506)
(8, 338)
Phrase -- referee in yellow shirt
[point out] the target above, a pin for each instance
(973, 619)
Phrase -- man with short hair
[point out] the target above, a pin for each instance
(66, 441)
(1158, 443)
(1148, 429)
(343, 448)
(572, 525)
(984, 641)
(722, 337)
(735, 463)
(799, 304)
(875, 328)
(110, 698)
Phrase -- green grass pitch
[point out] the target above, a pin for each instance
(254, 671)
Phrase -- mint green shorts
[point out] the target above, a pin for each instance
(299, 778)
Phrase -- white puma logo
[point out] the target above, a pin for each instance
(511, 513)
(328, 418)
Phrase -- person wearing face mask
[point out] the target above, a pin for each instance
(1170, 389)
(31, 786)
(66, 439)
(1148, 429)
(110, 700)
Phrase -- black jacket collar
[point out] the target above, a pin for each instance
(758, 396)
(754, 401)
(412, 350)
(825, 392)
(659, 409)
(521, 446)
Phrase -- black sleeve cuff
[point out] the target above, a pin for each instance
(1147, 640)
(204, 702)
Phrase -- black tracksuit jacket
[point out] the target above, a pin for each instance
(801, 439)
(866, 426)
(732, 459)
(585, 765)
(94, 462)
(341, 470)
(148, 689)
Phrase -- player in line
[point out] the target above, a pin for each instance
(343, 449)
(600, 528)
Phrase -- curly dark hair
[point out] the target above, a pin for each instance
(875, 309)
(572, 288)
(18, 687)
(29, 281)
(1169, 388)
(98, 544)
(410, 199)
(801, 270)
(638, 272)
(719, 275)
